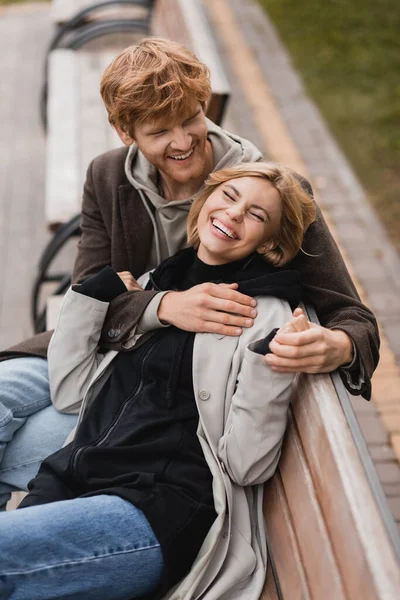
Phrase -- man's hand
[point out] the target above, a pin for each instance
(312, 350)
(129, 280)
(209, 308)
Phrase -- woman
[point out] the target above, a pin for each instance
(160, 493)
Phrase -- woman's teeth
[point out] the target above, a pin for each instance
(221, 227)
(183, 156)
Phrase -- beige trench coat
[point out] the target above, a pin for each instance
(242, 406)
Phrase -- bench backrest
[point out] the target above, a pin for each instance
(328, 537)
(64, 10)
(184, 21)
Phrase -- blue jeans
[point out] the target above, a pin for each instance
(30, 427)
(97, 548)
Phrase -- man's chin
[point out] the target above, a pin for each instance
(183, 174)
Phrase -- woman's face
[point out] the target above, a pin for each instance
(239, 217)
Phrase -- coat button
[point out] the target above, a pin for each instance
(225, 535)
(204, 394)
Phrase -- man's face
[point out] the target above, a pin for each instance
(177, 148)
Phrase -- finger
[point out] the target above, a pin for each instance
(300, 323)
(302, 338)
(228, 307)
(232, 286)
(298, 311)
(222, 292)
(311, 370)
(305, 365)
(223, 318)
(219, 328)
(315, 349)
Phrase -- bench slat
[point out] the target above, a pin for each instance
(283, 542)
(64, 10)
(78, 128)
(94, 128)
(185, 22)
(315, 548)
(63, 180)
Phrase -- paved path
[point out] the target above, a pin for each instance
(24, 32)
(270, 108)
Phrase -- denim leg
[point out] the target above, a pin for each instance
(30, 427)
(98, 548)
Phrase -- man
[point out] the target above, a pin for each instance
(135, 205)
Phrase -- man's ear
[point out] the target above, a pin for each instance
(267, 247)
(124, 137)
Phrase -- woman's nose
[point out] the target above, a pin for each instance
(235, 213)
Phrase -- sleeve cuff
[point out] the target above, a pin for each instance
(149, 320)
(104, 286)
(353, 372)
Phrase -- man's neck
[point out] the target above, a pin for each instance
(176, 190)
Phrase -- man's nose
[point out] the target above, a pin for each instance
(181, 140)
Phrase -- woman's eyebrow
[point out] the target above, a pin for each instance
(236, 191)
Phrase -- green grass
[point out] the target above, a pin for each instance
(348, 54)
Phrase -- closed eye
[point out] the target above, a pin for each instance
(259, 217)
(228, 196)
(160, 132)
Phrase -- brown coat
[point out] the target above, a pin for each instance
(116, 231)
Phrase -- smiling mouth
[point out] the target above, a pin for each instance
(224, 229)
(183, 156)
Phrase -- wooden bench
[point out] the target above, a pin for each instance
(330, 533)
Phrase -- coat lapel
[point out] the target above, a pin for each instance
(137, 228)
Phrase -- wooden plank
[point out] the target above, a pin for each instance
(63, 181)
(316, 555)
(78, 128)
(94, 125)
(356, 531)
(185, 22)
(63, 10)
(283, 542)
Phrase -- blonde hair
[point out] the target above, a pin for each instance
(298, 209)
(153, 80)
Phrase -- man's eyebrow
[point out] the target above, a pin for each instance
(193, 115)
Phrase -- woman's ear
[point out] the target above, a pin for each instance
(267, 247)
(124, 137)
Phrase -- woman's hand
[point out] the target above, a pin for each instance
(209, 308)
(129, 280)
(304, 347)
